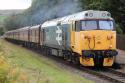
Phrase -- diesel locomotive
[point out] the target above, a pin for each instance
(87, 38)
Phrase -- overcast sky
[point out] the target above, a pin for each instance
(14, 4)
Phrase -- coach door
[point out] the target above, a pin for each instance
(42, 36)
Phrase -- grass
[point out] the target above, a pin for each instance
(39, 69)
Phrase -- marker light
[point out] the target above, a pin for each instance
(91, 14)
(103, 14)
(108, 14)
(86, 14)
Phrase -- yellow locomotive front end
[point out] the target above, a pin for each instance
(95, 41)
(98, 48)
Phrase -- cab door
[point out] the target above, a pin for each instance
(76, 37)
(73, 35)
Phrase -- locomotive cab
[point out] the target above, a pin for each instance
(95, 41)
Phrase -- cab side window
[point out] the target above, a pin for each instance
(77, 25)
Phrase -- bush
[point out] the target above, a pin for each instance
(10, 73)
(118, 29)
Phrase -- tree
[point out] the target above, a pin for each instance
(115, 7)
(11, 22)
(2, 30)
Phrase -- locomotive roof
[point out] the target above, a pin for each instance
(33, 27)
(90, 14)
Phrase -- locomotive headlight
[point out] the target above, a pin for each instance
(103, 14)
(110, 46)
(88, 37)
(109, 37)
(108, 14)
(91, 14)
(86, 14)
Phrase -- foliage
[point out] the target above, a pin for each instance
(118, 29)
(9, 73)
(1, 31)
(115, 7)
(11, 22)
(37, 68)
(2, 17)
(41, 11)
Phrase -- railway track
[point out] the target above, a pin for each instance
(107, 74)
(117, 76)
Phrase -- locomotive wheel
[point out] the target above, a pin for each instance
(75, 58)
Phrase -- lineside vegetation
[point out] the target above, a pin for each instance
(18, 65)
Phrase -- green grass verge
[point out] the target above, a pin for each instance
(39, 69)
